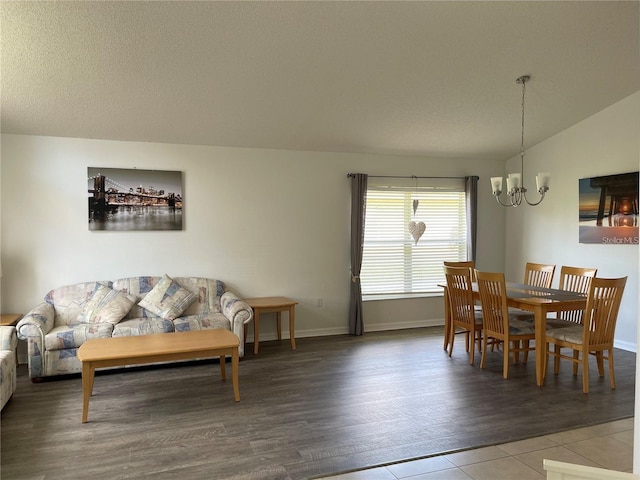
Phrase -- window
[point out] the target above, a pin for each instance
(393, 264)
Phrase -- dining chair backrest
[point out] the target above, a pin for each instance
(538, 274)
(575, 279)
(470, 264)
(601, 313)
(493, 298)
(460, 290)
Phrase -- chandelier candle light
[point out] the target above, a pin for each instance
(515, 181)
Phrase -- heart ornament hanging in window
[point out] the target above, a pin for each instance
(416, 230)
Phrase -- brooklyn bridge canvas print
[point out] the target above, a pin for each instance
(132, 199)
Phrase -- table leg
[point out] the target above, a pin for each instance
(245, 332)
(279, 324)
(234, 374)
(88, 372)
(292, 321)
(223, 370)
(256, 330)
(540, 316)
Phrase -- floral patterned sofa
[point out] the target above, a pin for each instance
(8, 344)
(73, 314)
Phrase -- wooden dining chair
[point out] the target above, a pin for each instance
(447, 323)
(594, 336)
(470, 264)
(497, 327)
(573, 279)
(538, 274)
(464, 317)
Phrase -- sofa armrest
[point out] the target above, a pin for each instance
(239, 314)
(235, 309)
(37, 323)
(32, 328)
(8, 338)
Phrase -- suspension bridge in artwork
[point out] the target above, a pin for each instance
(107, 195)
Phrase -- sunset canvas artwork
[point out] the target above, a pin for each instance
(608, 209)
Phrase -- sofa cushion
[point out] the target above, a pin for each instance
(69, 300)
(203, 321)
(168, 299)
(208, 293)
(138, 287)
(142, 326)
(106, 306)
(65, 336)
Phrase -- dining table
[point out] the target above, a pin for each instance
(537, 300)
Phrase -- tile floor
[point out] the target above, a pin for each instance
(609, 445)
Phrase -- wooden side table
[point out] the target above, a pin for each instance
(10, 319)
(272, 304)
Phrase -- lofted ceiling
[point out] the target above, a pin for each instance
(429, 78)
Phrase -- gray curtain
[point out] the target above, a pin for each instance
(471, 203)
(358, 199)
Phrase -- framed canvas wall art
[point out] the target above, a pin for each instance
(132, 199)
(608, 209)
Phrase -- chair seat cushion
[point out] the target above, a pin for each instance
(559, 323)
(526, 316)
(521, 315)
(567, 334)
(521, 327)
(477, 314)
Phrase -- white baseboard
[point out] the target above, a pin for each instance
(323, 332)
(380, 327)
(628, 346)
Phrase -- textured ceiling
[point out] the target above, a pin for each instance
(423, 78)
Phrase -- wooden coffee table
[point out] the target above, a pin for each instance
(137, 350)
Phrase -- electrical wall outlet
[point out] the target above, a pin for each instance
(318, 302)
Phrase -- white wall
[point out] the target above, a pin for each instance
(267, 222)
(604, 144)
(272, 222)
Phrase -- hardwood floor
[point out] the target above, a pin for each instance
(333, 405)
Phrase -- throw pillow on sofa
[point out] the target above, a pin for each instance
(168, 299)
(106, 305)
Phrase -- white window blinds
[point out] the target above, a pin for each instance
(393, 264)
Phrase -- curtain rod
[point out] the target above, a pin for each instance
(351, 175)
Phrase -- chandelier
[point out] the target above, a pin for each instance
(515, 181)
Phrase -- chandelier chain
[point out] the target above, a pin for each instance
(516, 192)
(524, 83)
